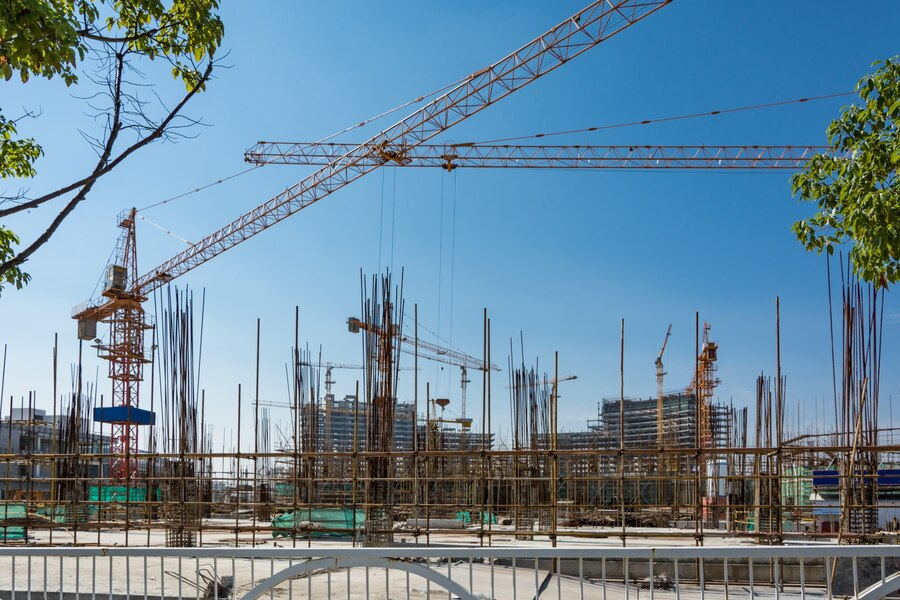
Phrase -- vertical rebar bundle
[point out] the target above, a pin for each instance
(178, 427)
(862, 306)
(530, 405)
(383, 312)
(73, 474)
(767, 483)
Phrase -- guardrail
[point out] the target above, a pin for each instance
(473, 573)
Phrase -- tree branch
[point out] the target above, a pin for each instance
(101, 170)
(102, 163)
(115, 40)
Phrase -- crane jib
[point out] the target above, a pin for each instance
(580, 156)
(589, 27)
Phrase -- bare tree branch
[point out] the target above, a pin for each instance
(25, 254)
(15, 198)
(158, 132)
(104, 165)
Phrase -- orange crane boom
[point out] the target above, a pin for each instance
(587, 28)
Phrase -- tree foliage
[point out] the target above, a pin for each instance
(17, 156)
(99, 44)
(40, 38)
(855, 186)
(13, 276)
(50, 37)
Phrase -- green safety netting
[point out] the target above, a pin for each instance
(480, 517)
(322, 522)
(117, 493)
(12, 510)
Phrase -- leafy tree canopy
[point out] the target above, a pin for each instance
(102, 40)
(855, 186)
(50, 37)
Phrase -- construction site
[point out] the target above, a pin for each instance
(131, 460)
(376, 470)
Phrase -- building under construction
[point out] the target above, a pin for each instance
(634, 423)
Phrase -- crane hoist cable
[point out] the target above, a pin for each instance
(526, 137)
(697, 115)
(391, 111)
(381, 222)
(440, 294)
(163, 229)
(324, 139)
(452, 186)
(452, 254)
(201, 188)
(393, 218)
(381, 242)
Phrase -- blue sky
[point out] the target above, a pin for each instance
(559, 255)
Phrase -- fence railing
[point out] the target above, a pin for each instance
(332, 570)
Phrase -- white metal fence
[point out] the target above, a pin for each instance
(411, 573)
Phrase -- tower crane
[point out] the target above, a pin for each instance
(597, 22)
(329, 381)
(464, 381)
(329, 366)
(121, 306)
(433, 352)
(452, 156)
(660, 373)
(704, 383)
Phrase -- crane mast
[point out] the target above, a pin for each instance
(704, 384)
(660, 373)
(123, 309)
(464, 381)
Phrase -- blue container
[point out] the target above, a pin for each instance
(825, 478)
(129, 415)
(887, 478)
